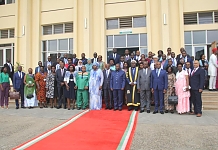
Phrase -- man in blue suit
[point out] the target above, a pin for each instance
(197, 80)
(117, 84)
(37, 69)
(159, 85)
(114, 56)
(18, 85)
(186, 58)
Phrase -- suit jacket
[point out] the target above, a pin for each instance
(59, 77)
(9, 69)
(129, 62)
(197, 79)
(75, 61)
(144, 80)
(118, 79)
(159, 82)
(37, 69)
(84, 61)
(93, 60)
(18, 82)
(116, 60)
(46, 64)
(106, 82)
(175, 70)
(189, 59)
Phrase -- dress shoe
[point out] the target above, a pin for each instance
(166, 111)
(68, 108)
(214, 89)
(172, 111)
(155, 112)
(120, 109)
(58, 107)
(115, 109)
(17, 107)
(110, 108)
(148, 111)
(192, 113)
(106, 108)
(129, 109)
(78, 108)
(198, 115)
(162, 112)
(141, 111)
(210, 90)
(23, 107)
(136, 109)
(83, 108)
(65, 107)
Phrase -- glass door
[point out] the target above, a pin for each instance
(198, 51)
(6, 53)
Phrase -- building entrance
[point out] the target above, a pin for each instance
(121, 51)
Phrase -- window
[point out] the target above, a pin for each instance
(6, 51)
(63, 44)
(4, 2)
(4, 34)
(216, 17)
(188, 49)
(139, 21)
(52, 45)
(125, 22)
(109, 41)
(71, 43)
(11, 33)
(188, 38)
(205, 18)
(120, 41)
(47, 30)
(112, 24)
(58, 28)
(190, 18)
(199, 37)
(132, 40)
(1, 57)
(212, 35)
(44, 45)
(143, 39)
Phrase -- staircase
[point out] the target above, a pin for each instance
(210, 100)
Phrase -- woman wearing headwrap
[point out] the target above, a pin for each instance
(212, 70)
(89, 65)
(79, 66)
(95, 87)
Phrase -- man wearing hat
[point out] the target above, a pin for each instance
(133, 97)
(212, 70)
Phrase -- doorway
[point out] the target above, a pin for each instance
(198, 51)
(5, 53)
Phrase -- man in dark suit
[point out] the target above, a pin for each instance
(197, 84)
(132, 57)
(117, 84)
(121, 62)
(159, 85)
(65, 58)
(10, 69)
(186, 58)
(48, 63)
(60, 73)
(95, 59)
(74, 60)
(106, 87)
(114, 56)
(84, 59)
(179, 56)
(143, 86)
(170, 64)
(37, 69)
(18, 85)
(126, 57)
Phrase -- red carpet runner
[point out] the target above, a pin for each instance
(95, 130)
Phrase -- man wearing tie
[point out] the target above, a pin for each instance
(18, 85)
(127, 57)
(133, 97)
(65, 59)
(143, 86)
(117, 84)
(173, 55)
(114, 56)
(95, 59)
(137, 56)
(37, 69)
(159, 85)
(132, 57)
(197, 84)
(106, 86)
(10, 69)
(121, 62)
(60, 73)
(74, 59)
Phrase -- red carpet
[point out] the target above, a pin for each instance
(94, 130)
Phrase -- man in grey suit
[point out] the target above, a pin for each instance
(60, 73)
(106, 87)
(143, 86)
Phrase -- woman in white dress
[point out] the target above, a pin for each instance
(30, 99)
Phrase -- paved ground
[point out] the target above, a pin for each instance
(176, 132)
(153, 132)
(19, 126)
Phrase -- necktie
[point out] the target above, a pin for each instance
(157, 70)
(107, 73)
(133, 71)
(19, 74)
(188, 71)
(62, 72)
(193, 72)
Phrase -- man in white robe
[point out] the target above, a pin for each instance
(212, 70)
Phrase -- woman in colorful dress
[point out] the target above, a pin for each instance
(69, 91)
(51, 87)
(30, 99)
(182, 90)
(95, 87)
(40, 79)
(89, 65)
(4, 87)
(170, 89)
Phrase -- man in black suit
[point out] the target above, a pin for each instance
(186, 58)
(197, 85)
(106, 87)
(121, 62)
(95, 59)
(74, 59)
(48, 63)
(180, 55)
(126, 57)
(84, 59)
(65, 58)
(114, 56)
(37, 69)
(60, 73)
(170, 64)
(10, 69)
(132, 57)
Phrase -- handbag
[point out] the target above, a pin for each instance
(173, 99)
(29, 96)
(14, 95)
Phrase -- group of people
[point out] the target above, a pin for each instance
(131, 79)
